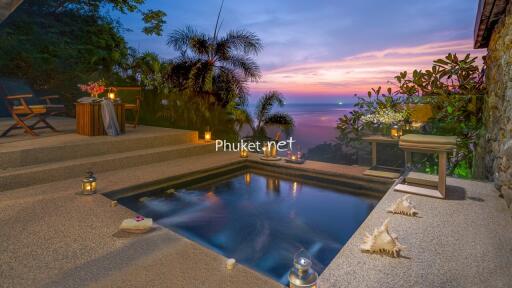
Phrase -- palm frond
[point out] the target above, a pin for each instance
(246, 65)
(228, 81)
(241, 117)
(188, 38)
(243, 41)
(281, 119)
(266, 103)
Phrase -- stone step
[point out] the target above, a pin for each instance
(72, 146)
(49, 172)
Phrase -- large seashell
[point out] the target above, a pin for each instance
(403, 206)
(381, 241)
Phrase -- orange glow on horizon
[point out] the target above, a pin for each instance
(359, 73)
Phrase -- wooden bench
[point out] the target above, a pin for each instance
(422, 184)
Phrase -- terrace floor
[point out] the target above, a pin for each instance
(65, 125)
(54, 237)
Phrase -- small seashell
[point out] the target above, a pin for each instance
(381, 241)
(113, 204)
(230, 263)
(170, 191)
(403, 206)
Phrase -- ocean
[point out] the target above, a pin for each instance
(315, 123)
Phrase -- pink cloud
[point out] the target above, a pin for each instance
(358, 73)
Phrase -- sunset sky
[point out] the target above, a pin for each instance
(319, 51)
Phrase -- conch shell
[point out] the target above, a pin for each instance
(403, 206)
(381, 241)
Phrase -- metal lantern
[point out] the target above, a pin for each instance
(301, 275)
(207, 135)
(111, 94)
(396, 132)
(89, 184)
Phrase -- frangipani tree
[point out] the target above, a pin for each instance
(453, 87)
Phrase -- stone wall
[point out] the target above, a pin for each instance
(498, 107)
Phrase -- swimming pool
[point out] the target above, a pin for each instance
(259, 219)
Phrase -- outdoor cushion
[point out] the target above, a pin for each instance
(38, 108)
(420, 139)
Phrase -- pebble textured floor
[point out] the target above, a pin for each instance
(464, 241)
(52, 237)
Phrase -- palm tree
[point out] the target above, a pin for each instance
(219, 67)
(264, 117)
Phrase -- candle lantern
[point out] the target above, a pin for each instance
(244, 153)
(207, 135)
(89, 184)
(273, 150)
(301, 275)
(266, 150)
(396, 132)
(111, 94)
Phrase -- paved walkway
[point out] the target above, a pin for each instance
(465, 241)
(52, 237)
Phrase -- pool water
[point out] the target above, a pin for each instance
(259, 220)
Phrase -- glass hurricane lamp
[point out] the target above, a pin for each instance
(302, 275)
(89, 184)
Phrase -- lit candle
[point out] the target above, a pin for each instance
(244, 153)
(273, 151)
(396, 132)
(111, 96)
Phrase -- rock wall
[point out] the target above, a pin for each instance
(498, 107)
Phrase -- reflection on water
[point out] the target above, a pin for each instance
(258, 220)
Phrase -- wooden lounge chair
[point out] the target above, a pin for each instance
(134, 107)
(21, 112)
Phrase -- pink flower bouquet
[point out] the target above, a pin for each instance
(93, 88)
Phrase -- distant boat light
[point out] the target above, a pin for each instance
(340, 103)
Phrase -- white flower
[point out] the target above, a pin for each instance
(384, 116)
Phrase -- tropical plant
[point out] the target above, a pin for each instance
(55, 45)
(453, 87)
(154, 19)
(216, 68)
(264, 118)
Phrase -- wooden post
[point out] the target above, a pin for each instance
(408, 159)
(441, 185)
(374, 154)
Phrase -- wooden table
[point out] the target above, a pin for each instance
(376, 170)
(89, 121)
